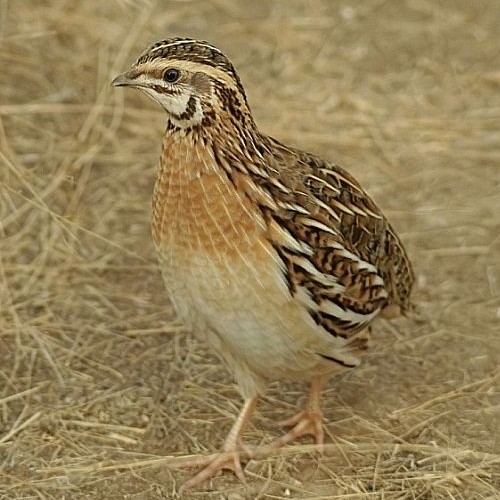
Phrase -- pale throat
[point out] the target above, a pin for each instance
(184, 110)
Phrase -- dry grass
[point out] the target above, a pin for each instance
(100, 390)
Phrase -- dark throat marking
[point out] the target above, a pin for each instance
(189, 112)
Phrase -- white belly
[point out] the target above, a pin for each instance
(247, 314)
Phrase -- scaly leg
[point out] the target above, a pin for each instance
(229, 456)
(307, 421)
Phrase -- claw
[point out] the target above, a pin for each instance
(226, 459)
(307, 421)
(303, 423)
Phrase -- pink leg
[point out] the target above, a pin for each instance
(229, 456)
(307, 421)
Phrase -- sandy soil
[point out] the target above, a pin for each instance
(101, 391)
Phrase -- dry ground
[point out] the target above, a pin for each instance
(100, 389)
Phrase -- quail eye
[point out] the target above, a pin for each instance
(171, 75)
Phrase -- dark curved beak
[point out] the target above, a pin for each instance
(127, 79)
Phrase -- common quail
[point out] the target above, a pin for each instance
(277, 258)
